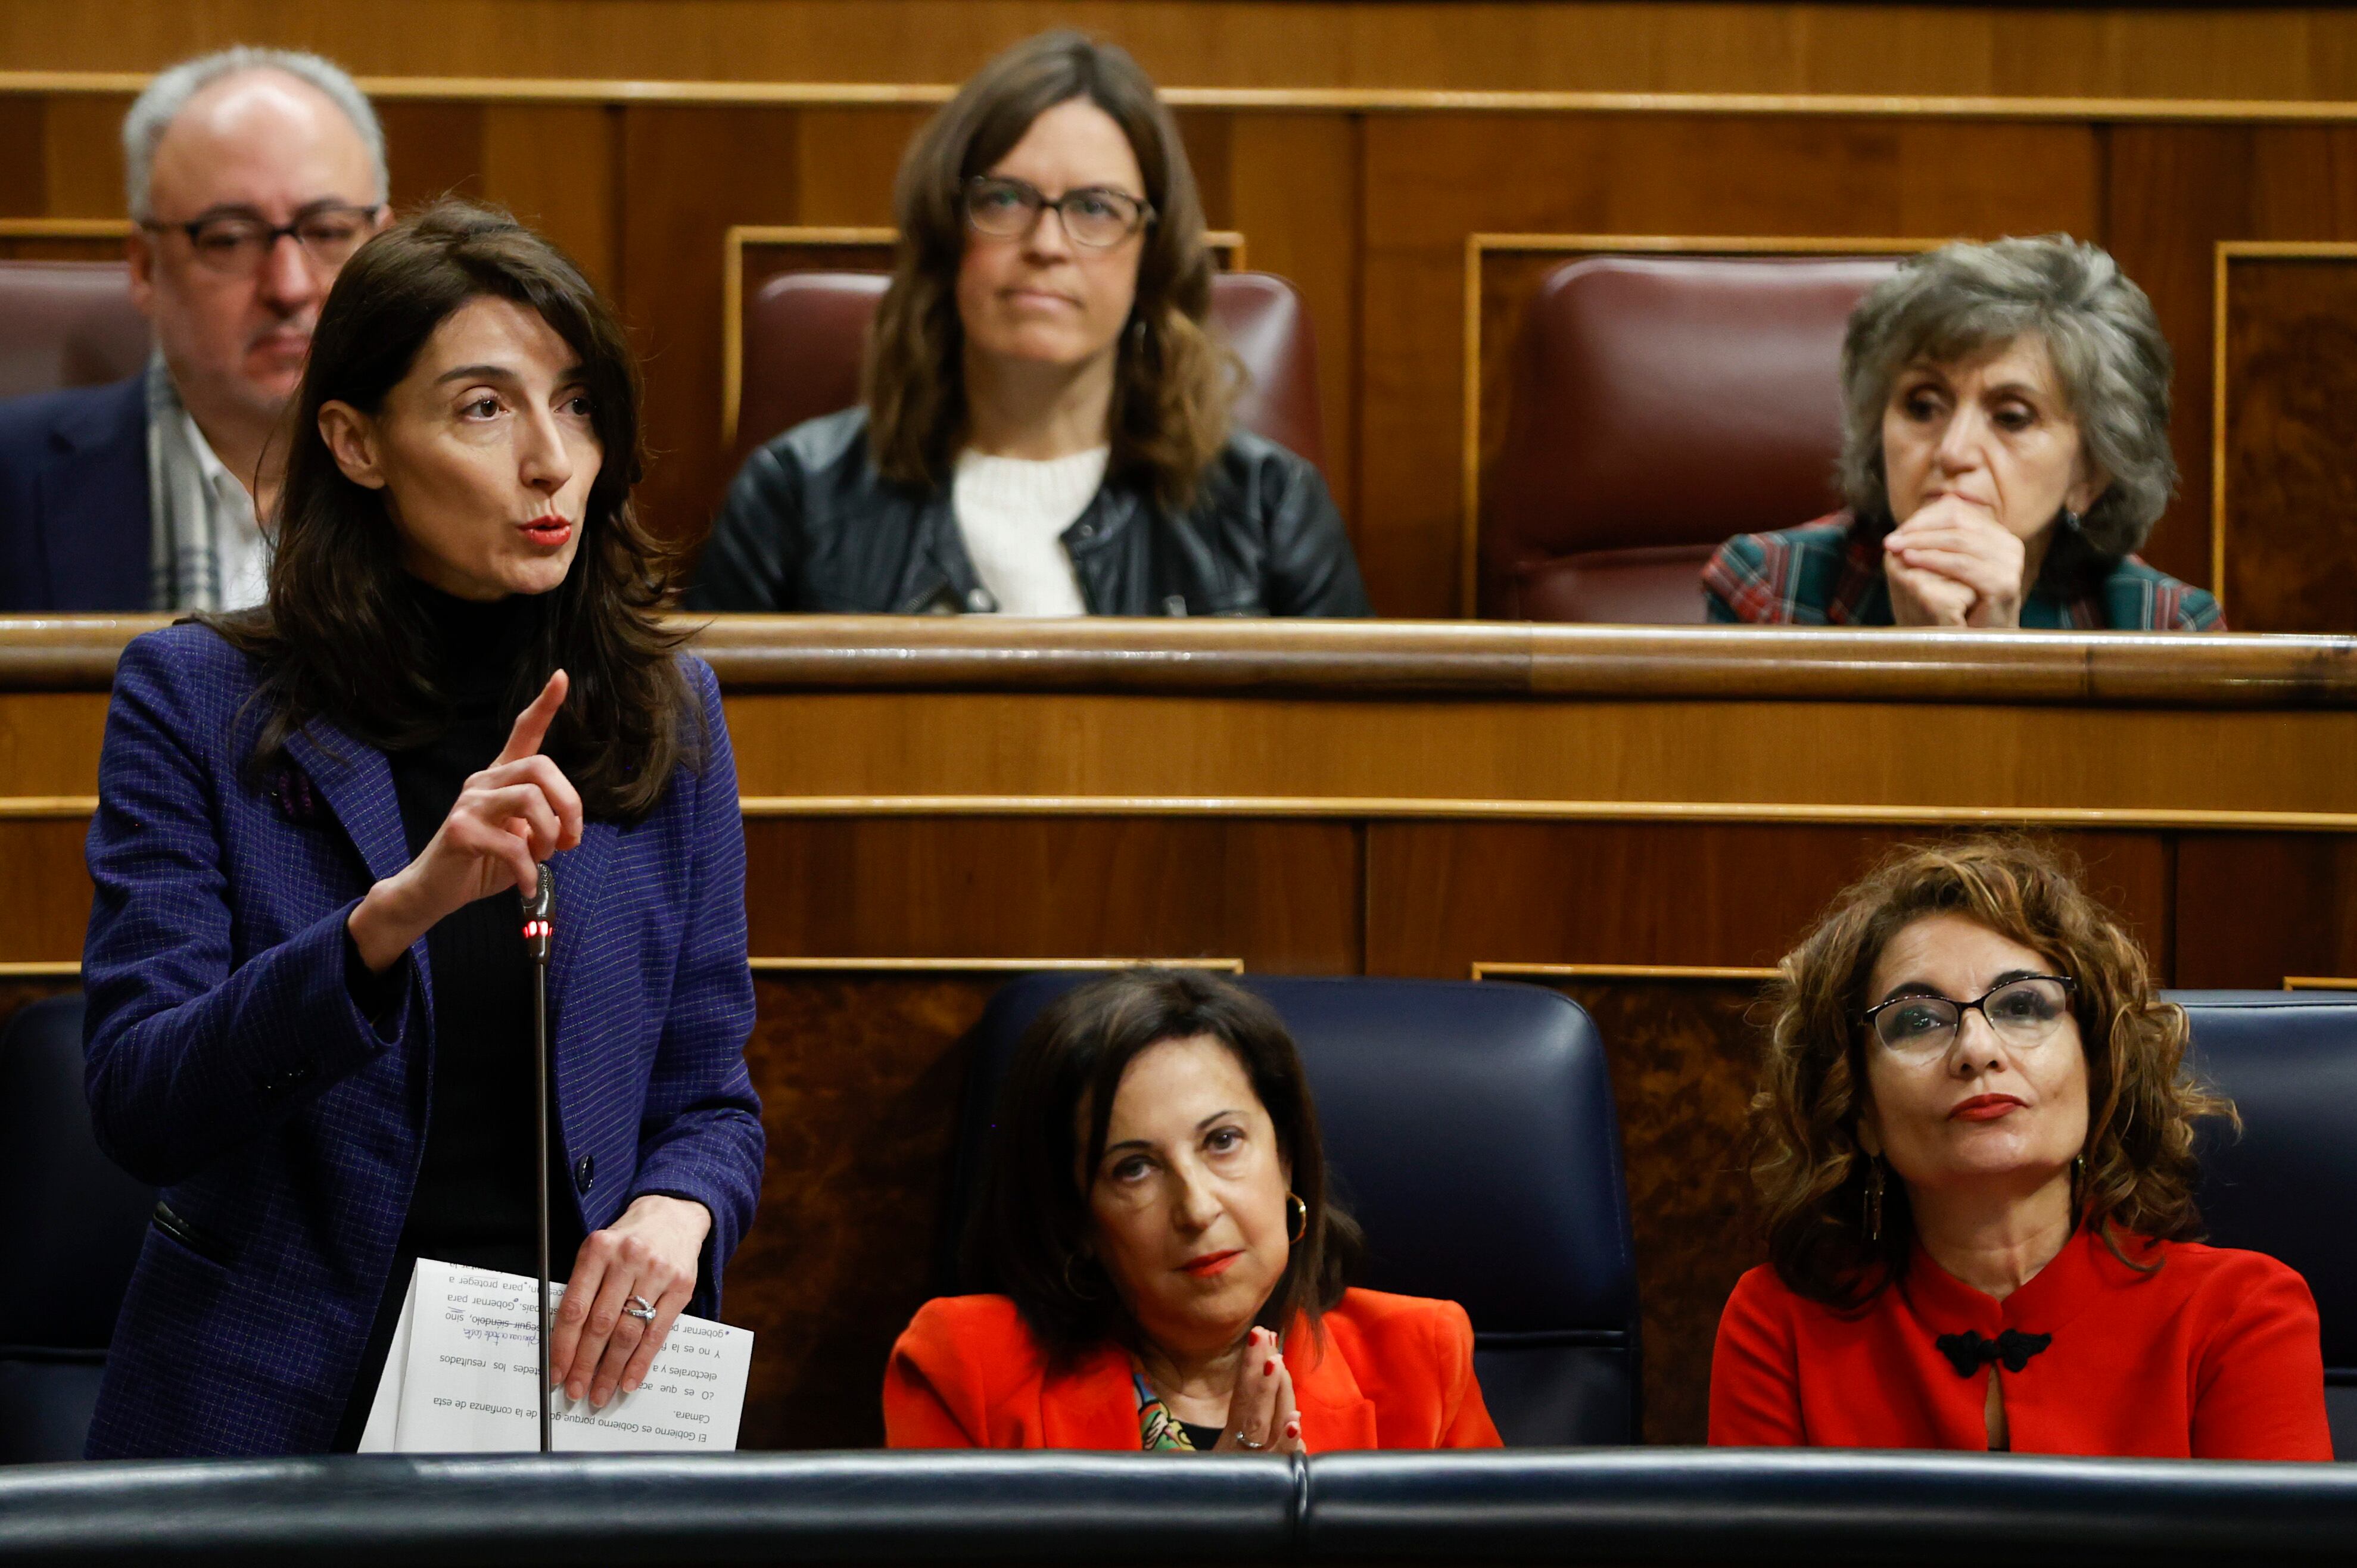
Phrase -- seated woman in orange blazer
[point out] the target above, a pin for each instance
(1157, 1208)
(1976, 1149)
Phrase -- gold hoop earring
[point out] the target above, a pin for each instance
(1301, 1226)
(1874, 1198)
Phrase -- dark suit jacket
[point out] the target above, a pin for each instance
(229, 1064)
(74, 531)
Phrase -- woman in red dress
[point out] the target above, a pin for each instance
(1976, 1146)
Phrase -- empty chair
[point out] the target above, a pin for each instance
(1660, 405)
(1471, 1130)
(77, 1221)
(2289, 1184)
(66, 324)
(805, 334)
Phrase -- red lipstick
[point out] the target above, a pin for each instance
(1211, 1266)
(550, 530)
(1985, 1107)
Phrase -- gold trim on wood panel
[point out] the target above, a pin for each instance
(2232, 251)
(46, 807)
(1225, 243)
(64, 228)
(1486, 971)
(980, 965)
(71, 969)
(1360, 100)
(2319, 982)
(1443, 808)
(1411, 808)
(1478, 245)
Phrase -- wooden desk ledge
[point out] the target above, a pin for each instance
(1470, 658)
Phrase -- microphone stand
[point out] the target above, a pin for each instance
(539, 923)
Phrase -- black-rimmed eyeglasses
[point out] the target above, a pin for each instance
(2024, 1012)
(1092, 216)
(235, 241)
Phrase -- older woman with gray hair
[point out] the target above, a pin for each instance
(2005, 451)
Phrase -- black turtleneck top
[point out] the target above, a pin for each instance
(474, 1198)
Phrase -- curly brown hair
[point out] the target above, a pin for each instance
(1807, 1161)
(1174, 382)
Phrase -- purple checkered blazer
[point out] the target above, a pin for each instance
(228, 1064)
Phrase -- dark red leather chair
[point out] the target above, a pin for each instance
(1660, 405)
(66, 324)
(805, 335)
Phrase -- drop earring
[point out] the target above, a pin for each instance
(1874, 1198)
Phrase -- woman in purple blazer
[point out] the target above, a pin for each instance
(309, 1000)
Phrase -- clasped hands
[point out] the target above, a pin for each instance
(507, 819)
(1263, 1417)
(1952, 563)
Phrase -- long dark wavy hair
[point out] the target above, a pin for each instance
(1032, 1229)
(342, 638)
(1807, 1162)
(1174, 383)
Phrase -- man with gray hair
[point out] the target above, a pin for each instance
(252, 174)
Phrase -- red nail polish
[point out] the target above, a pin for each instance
(1268, 1369)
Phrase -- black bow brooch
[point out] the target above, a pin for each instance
(1968, 1352)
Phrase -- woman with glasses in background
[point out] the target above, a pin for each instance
(1974, 1143)
(1046, 430)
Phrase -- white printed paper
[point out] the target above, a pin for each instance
(462, 1376)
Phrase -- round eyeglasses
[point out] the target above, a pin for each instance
(2024, 1012)
(234, 241)
(1092, 215)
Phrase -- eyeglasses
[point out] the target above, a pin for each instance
(1091, 216)
(2024, 1013)
(234, 242)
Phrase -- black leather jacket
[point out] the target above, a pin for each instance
(811, 525)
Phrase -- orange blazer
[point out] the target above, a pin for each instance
(1394, 1371)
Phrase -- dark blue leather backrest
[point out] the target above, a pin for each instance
(2287, 1187)
(76, 1219)
(1471, 1131)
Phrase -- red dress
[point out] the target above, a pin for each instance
(1392, 1371)
(2213, 1357)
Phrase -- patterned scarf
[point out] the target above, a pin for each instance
(1157, 1430)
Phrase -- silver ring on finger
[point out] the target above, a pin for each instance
(640, 1307)
(1244, 1442)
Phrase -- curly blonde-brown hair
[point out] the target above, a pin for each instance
(1174, 382)
(1807, 1161)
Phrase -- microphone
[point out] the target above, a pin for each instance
(539, 929)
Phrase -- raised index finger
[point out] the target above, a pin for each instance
(531, 724)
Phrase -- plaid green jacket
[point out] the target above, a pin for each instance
(1829, 572)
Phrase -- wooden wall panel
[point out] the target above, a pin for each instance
(859, 1077)
(2254, 908)
(1685, 1058)
(1444, 895)
(2291, 440)
(554, 165)
(1294, 193)
(82, 156)
(1283, 897)
(2173, 192)
(688, 174)
(44, 907)
(1689, 46)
